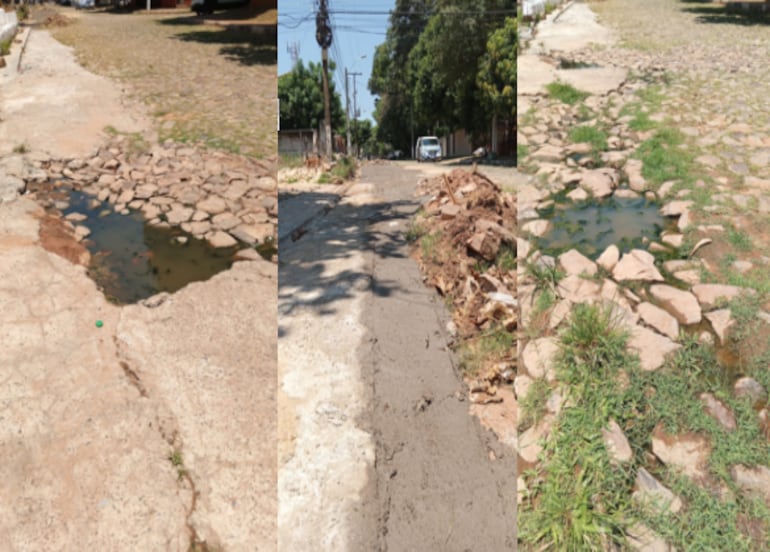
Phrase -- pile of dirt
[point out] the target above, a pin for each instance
(57, 20)
(467, 251)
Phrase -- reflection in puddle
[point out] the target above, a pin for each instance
(132, 260)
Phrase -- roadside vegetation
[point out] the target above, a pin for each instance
(578, 498)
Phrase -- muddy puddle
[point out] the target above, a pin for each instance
(130, 259)
(591, 226)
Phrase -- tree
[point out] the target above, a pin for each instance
(497, 76)
(390, 77)
(301, 95)
(426, 70)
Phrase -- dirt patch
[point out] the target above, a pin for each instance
(57, 20)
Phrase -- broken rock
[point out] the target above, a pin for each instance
(637, 264)
(682, 304)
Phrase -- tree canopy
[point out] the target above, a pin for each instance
(300, 92)
(428, 72)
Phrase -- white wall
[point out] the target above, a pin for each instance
(8, 24)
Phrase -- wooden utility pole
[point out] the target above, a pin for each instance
(323, 35)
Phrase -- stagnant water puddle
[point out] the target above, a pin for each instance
(591, 226)
(132, 260)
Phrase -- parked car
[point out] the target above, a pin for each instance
(208, 6)
(395, 154)
(83, 4)
(428, 148)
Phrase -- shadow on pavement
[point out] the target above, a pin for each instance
(730, 13)
(306, 274)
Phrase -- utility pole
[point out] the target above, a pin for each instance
(355, 110)
(347, 102)
(293, 49)
(347, 113)
(323, 35)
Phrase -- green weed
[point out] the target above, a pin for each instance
(663, 158)
(566, 93)
(344, 168)
(590, 134)
(428, 244)
(532, 407)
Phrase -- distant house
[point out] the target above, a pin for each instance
(459, 144)
(298, 142)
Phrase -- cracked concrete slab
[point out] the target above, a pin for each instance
(72, 106)
(90, 416)
(574, 28)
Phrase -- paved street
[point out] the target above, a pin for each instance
(376, 450)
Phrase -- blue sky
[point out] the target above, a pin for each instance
(355, 35)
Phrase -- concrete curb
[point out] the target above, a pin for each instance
(282, 236)
(13, 60)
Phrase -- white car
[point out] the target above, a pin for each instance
(428, 148)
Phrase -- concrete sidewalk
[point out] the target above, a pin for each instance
(564, 32)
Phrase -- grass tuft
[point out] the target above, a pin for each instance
(566, 93)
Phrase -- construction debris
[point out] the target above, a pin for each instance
(467, 251)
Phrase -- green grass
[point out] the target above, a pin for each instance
(532, 407)
(584, 113)
(545, 277)
(428, 244)
(739, 239)
(5, 46)
(649, 101)
(506, 258)
(344, 168)
(589, 134)
(664, 159)
(578, 500)
(324, 178)
(492, 345)
(566, 93)
(414, 232)
(521, 151)
(291, 161)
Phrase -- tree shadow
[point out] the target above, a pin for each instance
(731, 13)
(247, 45)
(307, 277)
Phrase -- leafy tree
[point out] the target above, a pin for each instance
(426, 70)
(300, 92)
(496, 78)
(390, 74)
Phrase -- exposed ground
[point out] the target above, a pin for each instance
(648, 429)
(377, 449)
(144, 427)
(200, 82)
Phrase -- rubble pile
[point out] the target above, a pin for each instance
(467, 252)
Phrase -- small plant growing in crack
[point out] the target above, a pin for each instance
(175, 457)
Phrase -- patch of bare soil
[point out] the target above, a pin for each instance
(467, 251)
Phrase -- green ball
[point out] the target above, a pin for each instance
(99, 323)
